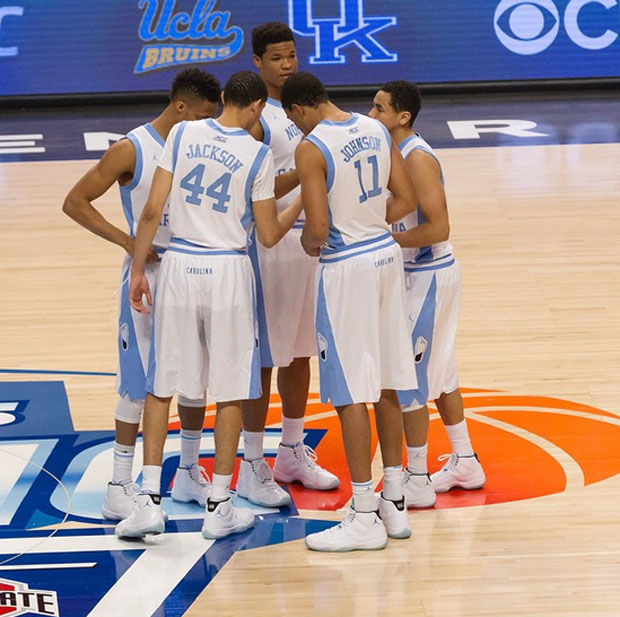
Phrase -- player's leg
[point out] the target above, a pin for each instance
(462, 469)
(221, 518)
(191, 482)
(148, 517)
(256, 480)
(392, 507)
(362, 528)
(295, 460)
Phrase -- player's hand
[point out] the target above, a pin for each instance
(138, 287)
(313, 251)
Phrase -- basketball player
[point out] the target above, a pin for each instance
(205, 332)
(285, 285)
(433, 284)
(345, 165)
(131, 162)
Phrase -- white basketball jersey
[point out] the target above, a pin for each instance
(358, 158)
(423, 254)
(149, 146)
(282, 136)
(217, 173)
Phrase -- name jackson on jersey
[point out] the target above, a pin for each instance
(214, 153)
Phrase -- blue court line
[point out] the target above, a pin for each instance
(45, 372)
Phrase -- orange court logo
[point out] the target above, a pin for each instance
(529, 446)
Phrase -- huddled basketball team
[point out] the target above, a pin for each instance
(283, 229)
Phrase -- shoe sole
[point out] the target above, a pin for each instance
(207, 535)
(286, 502)
(347, 549)
(112, 516)
(190, 500)
(141, 534)
(420, 506)
(283, 479)
(400, 535)
(468, 487)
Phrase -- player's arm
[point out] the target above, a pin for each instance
(271, 225)
(312, 171)
(404, 198)
(426, 176)
(116, 164)
(286, 182)
(147, 228)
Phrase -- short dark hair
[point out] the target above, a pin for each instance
(196, 83)
(243, 88)
(405, 96)
(271, 33)
(303, 89)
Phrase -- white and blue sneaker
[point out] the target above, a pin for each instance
(363, 531)
(120, 500)
(395, 518)
(222, 519)
(191, 484)
(256, 484)
(418, 489)
(147, 518)
(460, 471)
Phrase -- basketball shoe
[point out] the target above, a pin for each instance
(256, 483)
(418, 490)
(191, 484)
(222, 518)
(357, 531)
(298, 463)
(120, 500)
(147, 518)
(459, 471)
(394, 517)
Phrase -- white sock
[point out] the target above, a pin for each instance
(190, 446)
(219, 487)
(151, 479)
(292, 430)
(417, 459)
(123, 462)
(393, 483)
(252, 445)
(364, 499)
(459, 439)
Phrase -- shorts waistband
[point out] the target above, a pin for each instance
(178, 245)
(359, 248)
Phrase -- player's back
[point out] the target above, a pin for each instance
(357, 153)
(214, 168)
(433, 252)
(148, 145)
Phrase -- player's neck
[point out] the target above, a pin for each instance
(274, 92)
(164, 123)
(401, 133)
(329, 111)
(234, 118)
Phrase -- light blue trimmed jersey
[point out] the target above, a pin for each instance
(149, 146)
(357, 154)
(218, 172)
(439, 252)
(282, 136)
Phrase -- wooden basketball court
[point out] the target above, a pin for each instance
(535, 229)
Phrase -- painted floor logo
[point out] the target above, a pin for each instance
(17, 599)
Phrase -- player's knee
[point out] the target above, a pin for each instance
(413, 406)
(200, 403)
(129, 410)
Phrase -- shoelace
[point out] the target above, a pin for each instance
(263, 471)
(454, 459)
(309, 456)
(203, 476)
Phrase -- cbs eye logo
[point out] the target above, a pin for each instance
(527, 27)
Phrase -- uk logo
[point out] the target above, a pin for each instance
(351, 29)
(17, 599)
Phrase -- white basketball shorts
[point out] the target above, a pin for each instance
(205, 327)
(432, 295)
(361, 323)
(285, 278)
(134, 337)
